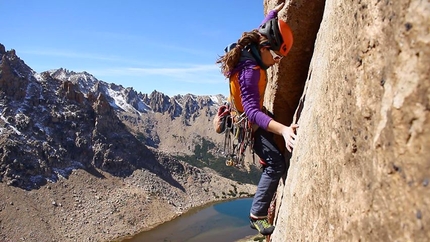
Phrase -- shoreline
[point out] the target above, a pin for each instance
(82, 207)
(187, 212)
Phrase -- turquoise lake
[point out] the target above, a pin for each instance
(225, 221)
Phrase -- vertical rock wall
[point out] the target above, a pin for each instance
(361, 168)
(287, 80)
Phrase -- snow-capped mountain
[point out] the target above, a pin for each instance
(59, 120)
(127, 99)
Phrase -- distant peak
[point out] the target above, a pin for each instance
(2, 49)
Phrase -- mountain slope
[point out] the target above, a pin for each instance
(73, 167)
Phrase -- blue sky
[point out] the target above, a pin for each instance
(170, 46)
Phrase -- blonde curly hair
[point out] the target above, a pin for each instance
(229, 60)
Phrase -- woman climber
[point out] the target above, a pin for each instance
(245, 64)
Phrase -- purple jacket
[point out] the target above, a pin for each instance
(248, 81)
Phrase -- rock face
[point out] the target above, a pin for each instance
(287, 80)
(361, 167)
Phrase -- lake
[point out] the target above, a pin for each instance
(225, 221)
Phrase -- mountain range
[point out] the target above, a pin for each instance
(60, 120)
(89, 160)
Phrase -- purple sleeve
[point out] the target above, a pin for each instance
(250, 95)
(248, 81)
(270, 15)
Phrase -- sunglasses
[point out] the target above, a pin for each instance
(275, 56)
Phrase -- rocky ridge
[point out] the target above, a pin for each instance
(72, 120)
(83, 160)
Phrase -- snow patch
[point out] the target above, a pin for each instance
(214, 99)
(10, 125)
(62, 172)
(142, 106)
(38, 77)
(119, 100)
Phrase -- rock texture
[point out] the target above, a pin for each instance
(361, 168)
(287, 80)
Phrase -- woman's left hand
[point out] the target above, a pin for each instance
(279, 7)
(289, 134)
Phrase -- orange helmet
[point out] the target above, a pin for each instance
(279, 35)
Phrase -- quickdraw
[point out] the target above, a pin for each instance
(238, 137)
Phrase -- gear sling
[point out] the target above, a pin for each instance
(232, 120)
